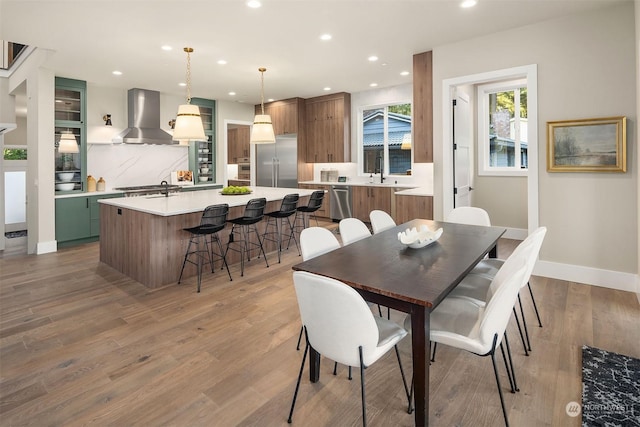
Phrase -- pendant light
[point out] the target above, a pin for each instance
(188, 122)
(406, 142)
(68, 143)
(262, 130)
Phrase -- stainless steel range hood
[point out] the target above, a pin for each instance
(144, 119)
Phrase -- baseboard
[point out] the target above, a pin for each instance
(46, 247)
(590, 276)
(515, 233)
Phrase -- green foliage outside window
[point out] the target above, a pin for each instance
(15, 154)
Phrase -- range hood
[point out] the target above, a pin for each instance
(143, 119)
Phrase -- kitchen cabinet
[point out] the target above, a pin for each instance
(325, 209)
(367, 198)
(285, 115)
(238, 183)
(238, 146)
(423, 107)
(70, 111)
(328, 128)
(202, 154)
(412, 207)
(78, 218)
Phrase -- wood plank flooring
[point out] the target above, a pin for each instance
(81, 344)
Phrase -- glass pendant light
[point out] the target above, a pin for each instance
(262, 130)
(188, 125)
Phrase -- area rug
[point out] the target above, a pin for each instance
(610, 389)
(14, 234)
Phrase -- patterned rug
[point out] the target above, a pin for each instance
(13, 234)
(610, 389)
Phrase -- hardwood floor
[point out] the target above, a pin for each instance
(81, 344)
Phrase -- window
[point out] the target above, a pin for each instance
(502, 128)
(15, 154)
(386, 139)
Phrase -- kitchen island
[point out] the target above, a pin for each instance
(143, 237)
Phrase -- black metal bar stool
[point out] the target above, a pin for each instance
(214, 219)
(280, 218)
(242, 229)
(303, 213)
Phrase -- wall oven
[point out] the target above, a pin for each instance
(244, 168)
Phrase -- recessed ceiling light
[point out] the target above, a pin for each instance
(327, 88)
(222, 62)
(254, 4)
(270, 100)
(468, 3)
(325, 37)
(373, 84)
(232, 93)
(182, 84)
(116, 73)
(373, 58)
(404, 73)
(166, 47)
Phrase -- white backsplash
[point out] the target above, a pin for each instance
(124, 165)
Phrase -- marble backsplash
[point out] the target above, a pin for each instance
(124, 165)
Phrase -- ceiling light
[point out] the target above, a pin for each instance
(468, 3)
(254, 4)
(406, 141)
(116, 73)
(188, 121)
(270, 99)
(327, 88)
(373, 84)
(232, 93)
(325, 37)
(404, 73)
(262, 130)
(222, 62)
(167, 48)
(182, 84)
(68, 143)
(373, 58)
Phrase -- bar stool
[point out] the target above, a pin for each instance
(214, 219)
(301, 220)
(242, 229)
(280, 217)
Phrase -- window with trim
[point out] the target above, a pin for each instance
(502, 128)
(386, 139)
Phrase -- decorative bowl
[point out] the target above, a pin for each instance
(419, 239)
(204, 170)
(67, 186)
(65, 176)
(203, 178)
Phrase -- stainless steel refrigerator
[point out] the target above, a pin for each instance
(277, 164)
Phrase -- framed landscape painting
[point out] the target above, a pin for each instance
(589, 145)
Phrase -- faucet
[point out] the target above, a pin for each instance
(165, 190)
(380, 166)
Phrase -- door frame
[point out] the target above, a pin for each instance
(225, 148)
(530, 73)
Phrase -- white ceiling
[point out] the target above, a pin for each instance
(91, 38)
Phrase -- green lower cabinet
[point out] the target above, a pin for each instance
(78, 219)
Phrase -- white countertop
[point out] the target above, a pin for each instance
(419, 191)
(196, 201)
(87, 193)
(360, 184)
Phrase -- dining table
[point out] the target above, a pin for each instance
(414, 281)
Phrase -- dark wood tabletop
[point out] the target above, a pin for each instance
(414, 281)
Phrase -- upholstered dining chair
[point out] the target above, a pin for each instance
(352, 230)
(380, 221)
(339, 325)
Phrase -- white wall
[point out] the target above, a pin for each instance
(586, 68)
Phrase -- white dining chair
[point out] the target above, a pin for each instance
(339, 325)
(476, 283)
(380, 221)
(352, 230)
(469, 215)
(480, 328)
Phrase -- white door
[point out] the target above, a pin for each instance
(462, 150)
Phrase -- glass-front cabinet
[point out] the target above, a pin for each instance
(202, 157)
(70, 109)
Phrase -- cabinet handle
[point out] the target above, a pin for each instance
(87, 199)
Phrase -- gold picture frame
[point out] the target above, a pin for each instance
(587, 145)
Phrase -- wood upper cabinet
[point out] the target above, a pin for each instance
(368, 198)
(423, 108)
(238, 143)
(284, 114)
(328, 128)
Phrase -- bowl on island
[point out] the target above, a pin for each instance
(67, 186)
(65, 176)
(416, 239)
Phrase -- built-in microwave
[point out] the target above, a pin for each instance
(244, 168)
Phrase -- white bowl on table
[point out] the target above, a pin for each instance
(416, 239)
